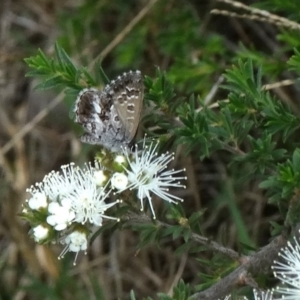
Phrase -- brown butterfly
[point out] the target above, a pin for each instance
(111, 117)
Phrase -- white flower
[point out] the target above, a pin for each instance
(99, 177)
(55, 185)
(288, 272)
(263, 295)
(241, 298)
(70, 197)
(88, 200)
(61, 215)
(120, 159)
(73, 195)
(119, 181)
(37, 201)
(40, 233)
(97, 173)
(148, 174)
(75, 242)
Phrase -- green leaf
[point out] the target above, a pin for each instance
(132, 295)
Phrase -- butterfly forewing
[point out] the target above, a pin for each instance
(127, 99)
(111, 117)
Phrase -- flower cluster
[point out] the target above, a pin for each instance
(66, 205)
(288, 271)
(146, 172)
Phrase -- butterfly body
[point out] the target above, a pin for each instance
(110, 117)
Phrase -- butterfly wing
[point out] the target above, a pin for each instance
(88, 110)
(128, 91)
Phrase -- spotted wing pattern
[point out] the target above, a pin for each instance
(111, 117)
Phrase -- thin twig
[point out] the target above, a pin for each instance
(213, 90)
(265, 87)
(271, 18)
(178, 274)
(29, 126)
(254, 264)
(278, 84)
(124, 32)
(255, 18)
(257, 11)
(134, 219)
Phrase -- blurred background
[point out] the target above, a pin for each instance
(37, 135)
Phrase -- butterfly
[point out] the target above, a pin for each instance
(111, 117)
